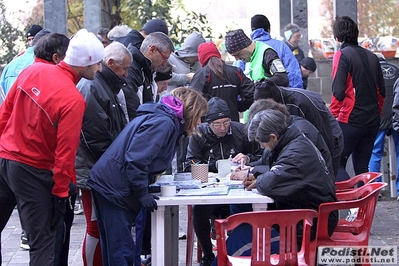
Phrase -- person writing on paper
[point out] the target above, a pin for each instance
(262, 165)
(217, 138)
(119, 180)
(298, 177)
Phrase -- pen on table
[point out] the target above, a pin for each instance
(213, 184)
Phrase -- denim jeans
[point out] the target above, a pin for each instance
(378, 151)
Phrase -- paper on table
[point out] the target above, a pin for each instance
(208, 191)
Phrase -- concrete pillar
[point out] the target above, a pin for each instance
(300, 17)
(285, 15)
(346, 8)
(97, 14)
(55, 16)
(92, 15)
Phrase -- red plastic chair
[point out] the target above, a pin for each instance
(366, 178)
(355, 226)
(365, 198)
(262, 223)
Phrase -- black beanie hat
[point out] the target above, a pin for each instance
(217, 108)
(308, 63)
(155, 25)
(260, 22)
(160, 76)
(39, 35)
(33, 30)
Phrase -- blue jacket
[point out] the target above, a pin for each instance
(12, 70)
(284, 52)
(144, 147)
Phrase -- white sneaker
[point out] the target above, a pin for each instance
(24, 242)
(182, 234)
(78, 209)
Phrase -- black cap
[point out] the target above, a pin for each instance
(40, 34)
(217, 108)
(33, 30)
(260, 22)
(308, 63)
(160, 76)
(155, 25)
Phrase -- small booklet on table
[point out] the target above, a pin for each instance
(207, 191)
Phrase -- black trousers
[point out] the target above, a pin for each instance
(63, 234)
(358, 142)
(30, 189)
(202, 226)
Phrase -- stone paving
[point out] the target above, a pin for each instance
(13, 255)
(385, 231)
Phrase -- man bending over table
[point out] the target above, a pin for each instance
(217, 138)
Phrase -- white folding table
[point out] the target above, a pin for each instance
(165, 221)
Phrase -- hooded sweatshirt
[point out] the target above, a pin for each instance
(180, 66)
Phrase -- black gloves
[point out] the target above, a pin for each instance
(148, 202)
(59, 208)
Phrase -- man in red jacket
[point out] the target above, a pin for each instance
(40, 122)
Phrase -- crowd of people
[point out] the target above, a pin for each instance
(101, 117)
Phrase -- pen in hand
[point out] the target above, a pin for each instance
(247, 182)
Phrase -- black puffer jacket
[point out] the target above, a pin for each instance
(311, 133)
(140, 74)
(309, 105)
(298, 177)
(390, 73)
(102, 120)
(133, 38)
(206, 146)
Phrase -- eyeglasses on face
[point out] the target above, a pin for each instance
(163, 56)
(219, 125)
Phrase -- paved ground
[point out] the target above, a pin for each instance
(13, 255)
(385, 231)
